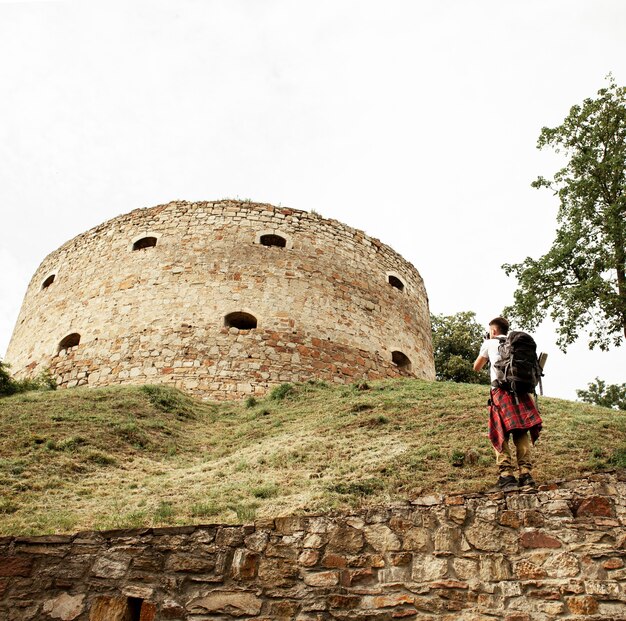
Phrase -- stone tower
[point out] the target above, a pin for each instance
(223, 299)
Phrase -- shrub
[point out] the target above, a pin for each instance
(280, 392)
(11, 386)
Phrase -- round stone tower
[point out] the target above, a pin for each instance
(223, 299)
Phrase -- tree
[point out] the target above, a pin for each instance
(609, 396)
(456, 342)
(582, 278)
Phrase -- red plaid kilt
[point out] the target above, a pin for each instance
(505, 416)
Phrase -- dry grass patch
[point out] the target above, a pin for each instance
(128, 457)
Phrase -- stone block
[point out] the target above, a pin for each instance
(564, 565)
(321, 578)
(191, 563)
(106, 608)
(538, 539)
(428, 568)
(65, 607)
(244, 565)
(236, 603)
(582, 605)
(494, 568)
(16, 565)
(417, 539)
(346, 539)
(382, 538)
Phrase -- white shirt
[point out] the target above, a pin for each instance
(489, 349)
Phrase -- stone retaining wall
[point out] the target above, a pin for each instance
(555, 553)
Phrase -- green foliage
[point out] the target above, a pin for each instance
(456, 343)
(7, 384)
(268, 490)
(618, 458)
(205, 509)
(245, 512)
(250, 402)
(365, 487)
(170, 400)
(10, 386)
(581, 281)
(606, 395)
(280, 392)
(164, 512)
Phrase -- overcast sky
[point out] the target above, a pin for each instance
(415, 121)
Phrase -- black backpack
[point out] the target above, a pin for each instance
(518, 370)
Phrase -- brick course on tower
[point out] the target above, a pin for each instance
(222, 299)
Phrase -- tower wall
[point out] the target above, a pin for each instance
(324, 305)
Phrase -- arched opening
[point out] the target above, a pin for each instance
(47, 282)
(145, 242)
(240, 320)
(273, 240)
(71, 340)
(401, 360)
(394, 281)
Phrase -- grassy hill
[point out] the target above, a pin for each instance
(143, 456)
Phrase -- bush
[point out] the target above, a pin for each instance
(280, 392)
(11, 386)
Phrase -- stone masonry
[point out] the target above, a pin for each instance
(555, 553)
(146, 297)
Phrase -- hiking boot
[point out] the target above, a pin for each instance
(507, 482)
(526, 480)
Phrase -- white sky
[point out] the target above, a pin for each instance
(413, 120)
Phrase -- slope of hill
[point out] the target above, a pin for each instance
(144, 456)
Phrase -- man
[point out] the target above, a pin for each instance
(508, 417)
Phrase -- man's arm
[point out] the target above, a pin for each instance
(480, 362)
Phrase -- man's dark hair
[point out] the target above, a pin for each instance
(501, 323)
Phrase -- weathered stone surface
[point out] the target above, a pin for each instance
(65, 607)
(279, 572)
(308, 558)
(537, 539)
(226, 602)
(346, 539)
(15, 565)
(190, 563)
(595, 506)
(494, 568)
(132, 331)
(464, 568)
(564, 565)
(417, 539)
(485, 536)
(245, 564)
(322, 578)
(583, 605)
(111, 568)
(526, 570)
(374, 602)
(571, 568)
(171, 609)
(428, 568)
(147, 611)
(382, 538)
(109, 609)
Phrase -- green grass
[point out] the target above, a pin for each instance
(144, 456)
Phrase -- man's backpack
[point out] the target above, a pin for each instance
(518, 369)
